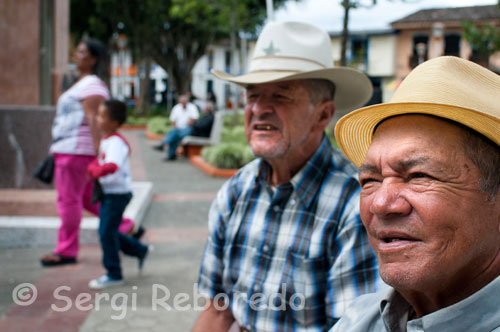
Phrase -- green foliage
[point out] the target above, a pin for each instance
(159, 125)
(233, 135)
(137, 120)
(484, 40)
(175, 33)
(227, 155)
(234, 119)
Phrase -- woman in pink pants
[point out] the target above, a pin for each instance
(74, 146)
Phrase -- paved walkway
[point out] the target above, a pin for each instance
(161, 299)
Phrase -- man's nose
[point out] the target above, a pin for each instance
(388, 201)
(261, 105)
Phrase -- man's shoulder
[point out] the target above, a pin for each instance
(342, 165)
(363, 315)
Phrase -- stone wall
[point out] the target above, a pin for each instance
(25, 136)
(19, 58)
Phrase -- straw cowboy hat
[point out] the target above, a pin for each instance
(446, 87)
(290, 51)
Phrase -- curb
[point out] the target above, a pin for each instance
(211, 170)
(20, 231)
(156, 137)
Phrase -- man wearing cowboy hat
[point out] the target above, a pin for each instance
(287, 250)
(430, 200)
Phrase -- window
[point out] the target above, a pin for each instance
(452, 44)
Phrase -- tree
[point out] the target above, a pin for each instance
(174, 33)
(484, 40)
(353, 4)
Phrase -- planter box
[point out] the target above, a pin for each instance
(156, 137)
(211, 170)
(132, 126)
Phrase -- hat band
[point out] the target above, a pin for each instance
(280, 63)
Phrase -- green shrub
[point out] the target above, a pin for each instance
(158, 125)
(135, 120)
(233, 135)
(234, 119)
(227, 155)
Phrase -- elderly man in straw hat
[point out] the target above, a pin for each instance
(287, 249)
(430, 200)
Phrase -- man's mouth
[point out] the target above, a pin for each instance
(395, 240)
(264, 127)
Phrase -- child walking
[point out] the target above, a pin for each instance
(112, 169)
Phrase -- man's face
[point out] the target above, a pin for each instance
(279, 119)
(183, 100)
(432, 230)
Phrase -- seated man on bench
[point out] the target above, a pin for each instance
(203, 126)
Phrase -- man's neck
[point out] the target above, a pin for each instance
(285, 168)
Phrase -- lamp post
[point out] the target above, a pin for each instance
(122, 44)
(270, 10)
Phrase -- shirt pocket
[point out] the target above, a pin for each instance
(308, 277)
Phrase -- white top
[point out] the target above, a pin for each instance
(70, 130)
(115, 149)
(181, 115)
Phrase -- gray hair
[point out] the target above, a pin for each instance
(486, 156)
(319, 90)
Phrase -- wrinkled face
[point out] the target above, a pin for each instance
(279, 119)
(83, 59)
(431, 228)
(104, 122)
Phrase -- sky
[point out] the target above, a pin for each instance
(328, 14)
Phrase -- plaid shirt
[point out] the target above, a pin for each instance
(293, 257)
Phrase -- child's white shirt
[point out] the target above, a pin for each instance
(115, 149)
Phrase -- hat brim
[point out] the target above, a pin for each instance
(353, 89)
(354, 132)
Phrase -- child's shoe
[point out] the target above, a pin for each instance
(140, 260)
(104, 282)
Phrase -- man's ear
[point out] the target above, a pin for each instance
(325, 112)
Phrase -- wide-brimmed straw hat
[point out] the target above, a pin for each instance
(290, 51)
(446, 87)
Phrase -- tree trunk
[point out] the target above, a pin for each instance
(144, 93)
(345, 33)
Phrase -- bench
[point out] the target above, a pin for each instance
(192, 145)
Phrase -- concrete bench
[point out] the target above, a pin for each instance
(192, 145)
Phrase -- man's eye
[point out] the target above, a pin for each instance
(280, 96)
(418, 175)
(366, 181)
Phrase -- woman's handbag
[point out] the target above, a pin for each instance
(97, 192)
(45, 171)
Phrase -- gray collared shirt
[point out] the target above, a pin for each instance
(388, 311)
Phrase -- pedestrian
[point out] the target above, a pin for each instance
(287, 250)
(182, 117)
(430, 200)
(112, 169)
(74, 146)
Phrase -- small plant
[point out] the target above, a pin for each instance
(228, 155)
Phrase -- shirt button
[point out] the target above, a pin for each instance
(276, 208)
(265, 248)
(293, 202)
(256, 288)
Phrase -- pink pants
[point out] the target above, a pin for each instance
(74, 192)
